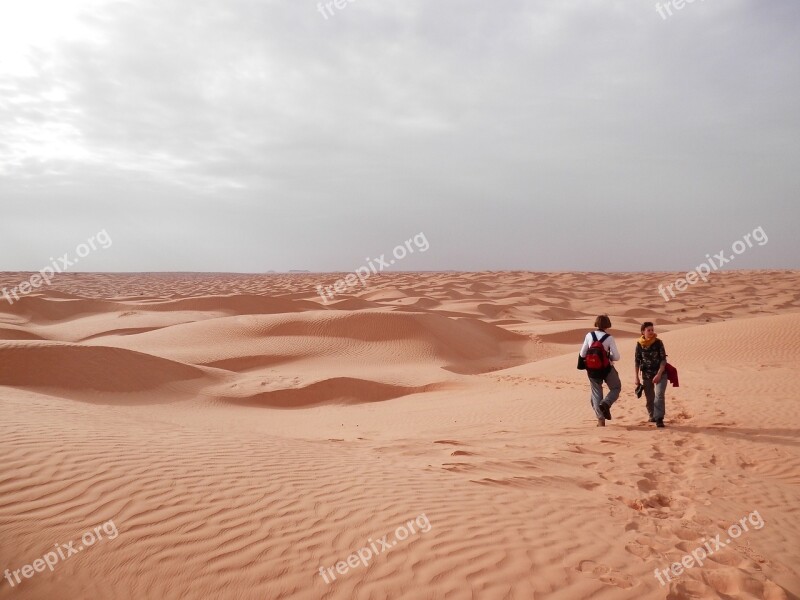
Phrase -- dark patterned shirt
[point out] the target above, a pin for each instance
(649, 359)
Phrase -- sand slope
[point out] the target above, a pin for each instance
(241, 434)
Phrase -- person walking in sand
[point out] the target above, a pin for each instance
(597, 356)
(651, 361)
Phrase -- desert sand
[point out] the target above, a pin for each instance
(240, 434)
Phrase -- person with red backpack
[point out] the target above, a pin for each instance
(597, 356)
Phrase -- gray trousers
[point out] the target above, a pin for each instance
(614, 387)
(654, 393)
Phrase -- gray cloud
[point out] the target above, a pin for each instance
(528, 135)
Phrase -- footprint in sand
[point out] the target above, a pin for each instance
(640, 550)
(751, 554)
(649, 483)
(653, 501)
(676, 468)
(606, 574)
(702, 520)
(588, 485)
(458, 467)
(578, 449)
(744, 463)
(613, 441)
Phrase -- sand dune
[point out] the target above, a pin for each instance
(15, 333)
(76, 368)
(363, 336)
(241, 434)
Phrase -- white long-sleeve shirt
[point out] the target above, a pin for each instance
(609, 344)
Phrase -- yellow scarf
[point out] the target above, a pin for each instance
(645, 343)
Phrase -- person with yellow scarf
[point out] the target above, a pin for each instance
(651, 361)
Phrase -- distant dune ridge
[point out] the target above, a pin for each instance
(241, 435)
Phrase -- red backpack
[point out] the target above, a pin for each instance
(597, 361)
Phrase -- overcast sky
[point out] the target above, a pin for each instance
(249, 135)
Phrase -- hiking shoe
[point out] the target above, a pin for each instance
(660, 423)
(606, 410)
(651, 420)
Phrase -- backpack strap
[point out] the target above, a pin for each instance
(594, 337)
(603, 339)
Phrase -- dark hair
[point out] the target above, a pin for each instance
(602, 322)
(645, 325)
